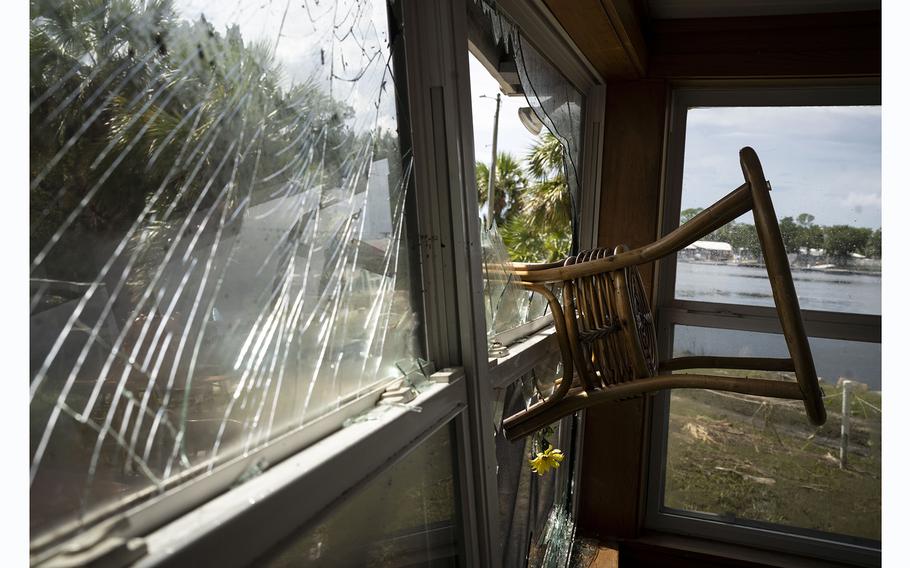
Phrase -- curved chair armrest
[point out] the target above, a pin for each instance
(728, 208)
(539, 416)
(562, 338)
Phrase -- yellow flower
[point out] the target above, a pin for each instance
(546, 460)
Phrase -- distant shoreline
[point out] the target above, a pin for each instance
(833, 270)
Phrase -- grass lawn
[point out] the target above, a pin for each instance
(759, 459)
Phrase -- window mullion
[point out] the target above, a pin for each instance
(439, 93)
(827, 325)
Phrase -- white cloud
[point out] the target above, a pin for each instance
(513, 137)
(863, 200)
(822, 160)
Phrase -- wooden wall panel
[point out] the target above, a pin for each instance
(615, 447)
(633, 150)
(803, 46)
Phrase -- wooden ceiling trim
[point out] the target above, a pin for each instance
(608, 33)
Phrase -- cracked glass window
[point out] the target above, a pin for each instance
(527, 131)
(536, 511)
(218, 242)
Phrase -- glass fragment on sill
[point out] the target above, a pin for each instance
(506, 304)
(584, 552)
(254, 470)
(554, 546)
(218, 241)
(415, 379)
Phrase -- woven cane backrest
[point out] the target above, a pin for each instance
(610, 318)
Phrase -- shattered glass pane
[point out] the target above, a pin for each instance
(217, 235)
(505, 303)
(537, 524)
(555, 102)
(527, 197)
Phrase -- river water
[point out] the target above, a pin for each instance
(817, 290)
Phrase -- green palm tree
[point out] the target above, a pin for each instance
(510, 182)
(83, 54)
(546, 201)
(540, 230)
(120, 89)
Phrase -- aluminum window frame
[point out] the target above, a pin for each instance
(740, 317)
(534, 341)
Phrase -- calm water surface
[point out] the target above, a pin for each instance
(839, 292)
(817, 290)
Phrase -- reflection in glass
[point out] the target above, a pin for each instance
(824, 165)
(746, 458)
(217, 235)
(404, 517)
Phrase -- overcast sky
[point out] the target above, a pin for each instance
(514, 138)
(315, 42)
(823, 161)
(820, 160)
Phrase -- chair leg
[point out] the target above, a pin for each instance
(782, 288)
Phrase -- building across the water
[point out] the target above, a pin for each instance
(707, 250)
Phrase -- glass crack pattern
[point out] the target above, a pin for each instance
(217, 235)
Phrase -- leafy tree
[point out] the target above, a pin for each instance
(686, 214)
(510, 182)
(539, 225)
(528, 243)
(841, 240)
(532, 209)
(790, 234)
(546, 201)
(744, 237)
(805, 219)
(80, 52)
(874, 244)
(133, 110)
(812, 237)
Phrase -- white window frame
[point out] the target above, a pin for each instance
(218, 520)
(531, 343)
(671, 312)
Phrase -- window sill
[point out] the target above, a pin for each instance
(255, 515)
(523, 355)
(670, 549)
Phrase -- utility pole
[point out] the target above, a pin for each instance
(491, 187)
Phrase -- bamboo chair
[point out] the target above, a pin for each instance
(605, 328)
